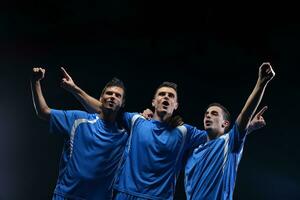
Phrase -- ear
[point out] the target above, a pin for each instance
(176, 106)
(225, 124)
(153, 102)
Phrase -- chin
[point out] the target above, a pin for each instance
(163, 112)
(208, 129)
(109, 109)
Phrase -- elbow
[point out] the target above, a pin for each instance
(44, 113)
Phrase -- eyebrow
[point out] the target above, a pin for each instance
(117, 93)
(169, 93)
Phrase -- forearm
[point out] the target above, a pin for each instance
(251, 106)
(39, 102)
(91, 104)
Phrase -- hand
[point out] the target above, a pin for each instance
(258, 121)
(38, 73)
(175, 121)
(266, 73)
(148, 114)
(67, 82)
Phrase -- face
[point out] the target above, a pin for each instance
(165, 100)
(214, 121)
(112, 98)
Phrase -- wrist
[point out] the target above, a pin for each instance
(35, 81)
(261, 84)
(75, 89)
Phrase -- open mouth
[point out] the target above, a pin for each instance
(165, 103)
(208, 122)
(111, 103)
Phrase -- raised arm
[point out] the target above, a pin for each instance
(39, 103)
(266, 74)
(91, 104)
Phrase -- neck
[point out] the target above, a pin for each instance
(161, 116)
(108, 115)
(213, 134)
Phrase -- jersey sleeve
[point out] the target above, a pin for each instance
(127, 119)
(236, 139)
(196, 137)
(62, 121)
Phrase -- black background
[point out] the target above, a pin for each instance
(212, 50)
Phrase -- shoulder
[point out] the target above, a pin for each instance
(191, 128)
(73, 114)
(133, 116)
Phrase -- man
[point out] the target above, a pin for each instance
(155, 150)
(94, 145)
(210, 171)
(153, 155)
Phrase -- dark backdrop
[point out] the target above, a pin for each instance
(212, 51)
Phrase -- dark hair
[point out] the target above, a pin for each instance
(117, 83)
(226, 113)
(168, 84)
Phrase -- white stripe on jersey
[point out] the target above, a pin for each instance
(74, 127)
(226, 144)
(133, 120)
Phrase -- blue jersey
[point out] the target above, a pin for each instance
(91, 155)
(211, 170)
(153, 157)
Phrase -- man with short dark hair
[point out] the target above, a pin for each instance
(94, 143)
(211, 170)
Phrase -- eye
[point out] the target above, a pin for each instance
(171, 95)
(214, 113)
(118, 95)
(109, 93)
(161, 94)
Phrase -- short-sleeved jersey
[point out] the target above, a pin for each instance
(153, 157)
(211, 170)
(91, 155)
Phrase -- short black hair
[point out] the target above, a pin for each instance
(167, 84)
(226, 113)
(117, 83)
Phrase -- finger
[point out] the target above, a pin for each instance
(261, 112)
(65, 73)
(272, 72)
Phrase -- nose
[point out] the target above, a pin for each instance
(113, 96)
(207, 115)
